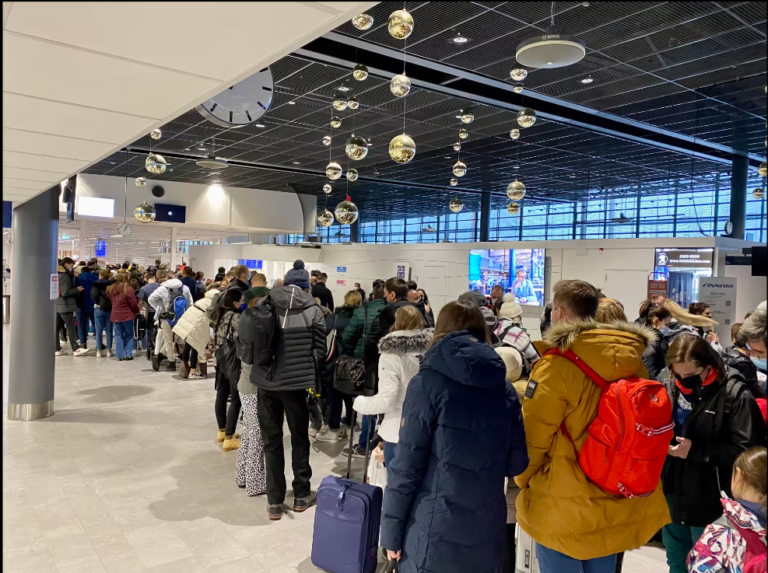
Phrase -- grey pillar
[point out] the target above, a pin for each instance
(354, 230)
(738, 215)
(33, 313)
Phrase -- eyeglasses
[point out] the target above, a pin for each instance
(756, 353)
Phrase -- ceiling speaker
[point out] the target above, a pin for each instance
(158, 191)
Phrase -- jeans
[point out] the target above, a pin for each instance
(102, 324)
(368, 430)
(389, 452)
(66, 319)
(189, 354)
(124, 336)
(272, 405)
(226, 418)
(678, 542)
(83, 319)
(551, 561)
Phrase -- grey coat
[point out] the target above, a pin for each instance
(67, 301)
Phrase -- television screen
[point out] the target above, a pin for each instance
(520, 271)
(170, 213)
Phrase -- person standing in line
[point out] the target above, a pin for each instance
(360, 290)
(510, 332)
(222, 272)
(401, 353)
(251, 466)
(194, 329)
(259, 280)
(323, 292)
(754, 334)
(124, 311)
(161, 300)
(576, 525)
(200, 282)
(151, 286)
(657, 318)
(428, 314)
(239, 279)
(102, 309)
(298, 364)
(66, 306)
(716, 419)
(227, 326)
(188, 280)
(461, 433)
(87, 277)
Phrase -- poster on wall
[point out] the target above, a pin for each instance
(54, 294)
(101, 249)
(341, 282)
(656, 288)
(720, 295)
(402, 270)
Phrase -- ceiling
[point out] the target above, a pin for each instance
(82, 79)
(695, 68)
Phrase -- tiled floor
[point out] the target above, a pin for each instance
(127, 477)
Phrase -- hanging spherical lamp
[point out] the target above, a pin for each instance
(763, 169)
(363, 21)
(346, 212)
(327, 140)
(518, 74)
(513, 208)
(400, 85)
(353, 103)
(156, 134)
(516, 190)
(352, 174)
(514, 134)
(360, 72)
(340, 103)
(518, 89)
(400, 24)
(460, 169)
(156, 164)
(463, 133)
(325, 218)
(758, 193)
(140, 182)
(454, 182)
(144, 213)
(467, 117)
(526, 117)
(456, 205)
(333, 171)
(356, 148)
(336, 122)
(327, 188)
(402, 148)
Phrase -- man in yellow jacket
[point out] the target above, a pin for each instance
(573, 521)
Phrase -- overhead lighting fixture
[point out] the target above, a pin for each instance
(291, 103)
(551, 49)
(459, 39)
(259, 125)
(343, 89)
(587, 80)
(211, 162)
(201, 148)
(296, 162)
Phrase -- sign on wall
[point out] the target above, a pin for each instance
(656, 288)
(54, 294)
(402, 270)
(720, 295)
(341, 270)
(101, 249)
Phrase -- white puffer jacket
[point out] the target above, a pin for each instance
(401, 354)
(193, 326)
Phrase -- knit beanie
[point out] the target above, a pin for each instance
(474, 297)
(297, 275)
(512, 361)
(254, 292)
(510, 309)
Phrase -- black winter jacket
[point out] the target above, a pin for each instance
(379, 329)
(338, 321)
(718, 439)
(99, 294)
(324, 294)
(741, 362)
(656, 360)
(301, 346)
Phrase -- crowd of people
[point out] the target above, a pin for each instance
(480, 428)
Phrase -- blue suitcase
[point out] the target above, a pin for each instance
(347, 518)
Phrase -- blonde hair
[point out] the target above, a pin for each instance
(609, 312)
(681, 315)
(239, 271)
(352, 298)
(408, 318)
(121, 285)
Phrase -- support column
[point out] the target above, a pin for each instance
(738, 215)
(33, 313)
(354, 231)
(485, 215)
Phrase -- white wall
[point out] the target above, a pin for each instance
(229, 208)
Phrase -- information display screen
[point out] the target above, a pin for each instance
(520, 271)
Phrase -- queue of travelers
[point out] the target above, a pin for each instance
(481, 429)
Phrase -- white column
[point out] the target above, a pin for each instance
(174, 254)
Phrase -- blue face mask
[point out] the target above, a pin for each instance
(759, 362)
(665, 330)
(242, 307)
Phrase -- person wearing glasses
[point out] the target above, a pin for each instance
(753, 335)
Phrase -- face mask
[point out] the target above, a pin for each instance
(242, 307)
(665, 330)
(759, 362)
(690, 382)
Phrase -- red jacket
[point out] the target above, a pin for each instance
(124, 307)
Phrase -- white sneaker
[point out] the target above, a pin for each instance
(312, 432)
(81, 351)
(343, 432)
(330, 436)
(61, 353)
(109, 353)
(98, 353)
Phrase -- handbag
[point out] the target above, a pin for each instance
(227, 359)
(349, 376)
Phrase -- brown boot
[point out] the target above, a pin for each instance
(184, 369)
(231, 443)
(202, 366)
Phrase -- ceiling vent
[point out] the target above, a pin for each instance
(550, 50)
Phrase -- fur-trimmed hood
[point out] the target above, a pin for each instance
(415, 342)
(614, 350)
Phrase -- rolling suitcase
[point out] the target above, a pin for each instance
(346, 533)
(525, 547)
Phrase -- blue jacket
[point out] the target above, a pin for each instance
(86, 280)
(461, 433)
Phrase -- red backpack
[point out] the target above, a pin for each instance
(627, 442)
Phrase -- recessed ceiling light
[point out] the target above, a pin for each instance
(291, 103)
(459, 39)
(572, 176)
(259, 125)
(516, 167)
(343, 89)
(587, 80)
(296, 162)
(549, 63)
(201, 148)
(186, 149)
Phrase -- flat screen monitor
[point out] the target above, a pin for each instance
(681, 267)
(166, 213)
(520, 271)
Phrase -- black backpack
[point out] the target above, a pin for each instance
(266, 333)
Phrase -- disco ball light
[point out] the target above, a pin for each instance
(400, 24)
(460, 169)
(325, 218)
(346, 212)
(144, 213)
(356, 148)
(333, 171)
(402, 149)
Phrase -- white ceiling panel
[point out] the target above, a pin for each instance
(240, 29)
(19, 191)
(32, 114)
(85, 78)
(53, 145)
(22, 184)
(34, 174)
(29, 161)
